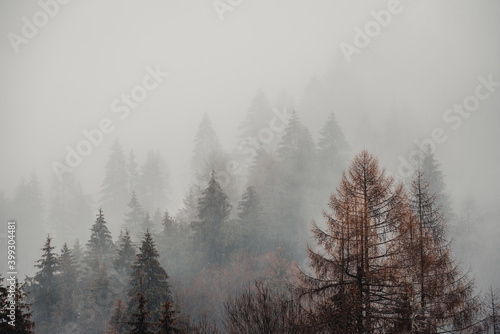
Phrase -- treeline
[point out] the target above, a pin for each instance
(235, 253)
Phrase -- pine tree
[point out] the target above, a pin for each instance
(150, 278)
(153, 182)
(147, 224)
(44, 291)
(15, 315)
(114, 186)
(213, 211)
(135, 217)
(167, 322)
(118, 321)
(68, 286)
(100, 245)
(351, 289)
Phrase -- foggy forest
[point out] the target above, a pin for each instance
(246, 167)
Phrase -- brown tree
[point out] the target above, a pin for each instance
(439, 296)
(354, 283)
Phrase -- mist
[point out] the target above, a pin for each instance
(185, 86)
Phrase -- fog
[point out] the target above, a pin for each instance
(72, 72)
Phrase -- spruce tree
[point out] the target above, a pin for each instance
(140, 324)
(100, 245)
(114, 189)
(15, 315)
(167, 322)
(249, 212)
(153, 181)
(125, 256)
(44, 290)
(213, 211)
(133, 172)
(148, 277)
(68, 286)
(118, 321)
(135, 217)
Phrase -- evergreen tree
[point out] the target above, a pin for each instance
(114, 186)
(68, 286)
(44, 290)
(150, 278)
(125, 256)
(135, 217)
(207, 153)
(435, 177)
(100, 245)
(332, 149)
(13, 303)
(78, 252)
(69, 208)
(118, 321)
(167, 323)
(153, 181)
(133, 172)
(251, 221)
(147, 224)
(140, 325)
(213, 211)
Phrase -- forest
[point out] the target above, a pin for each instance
(244, 254)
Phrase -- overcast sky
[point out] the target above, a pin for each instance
(64, 79)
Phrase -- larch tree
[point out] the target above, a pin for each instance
(351, 288)
(492, 308)
(213, 211)
(148, 277)
(441, 296)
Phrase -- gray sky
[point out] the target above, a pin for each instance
(64, 79)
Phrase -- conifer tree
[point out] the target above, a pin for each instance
(147, 224)
(351, 289)
(118, 321)
(167, 322)
(135, 217)
(148, 277)
(133, 172)
(492, 308)
(249, 212)
(15, 315)
(44, 290)
(68, 286)
(114, 189)
(100, 245)
(153, 181)
(125, 256)
(440, 295)
(213, 211)
(140, 324)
